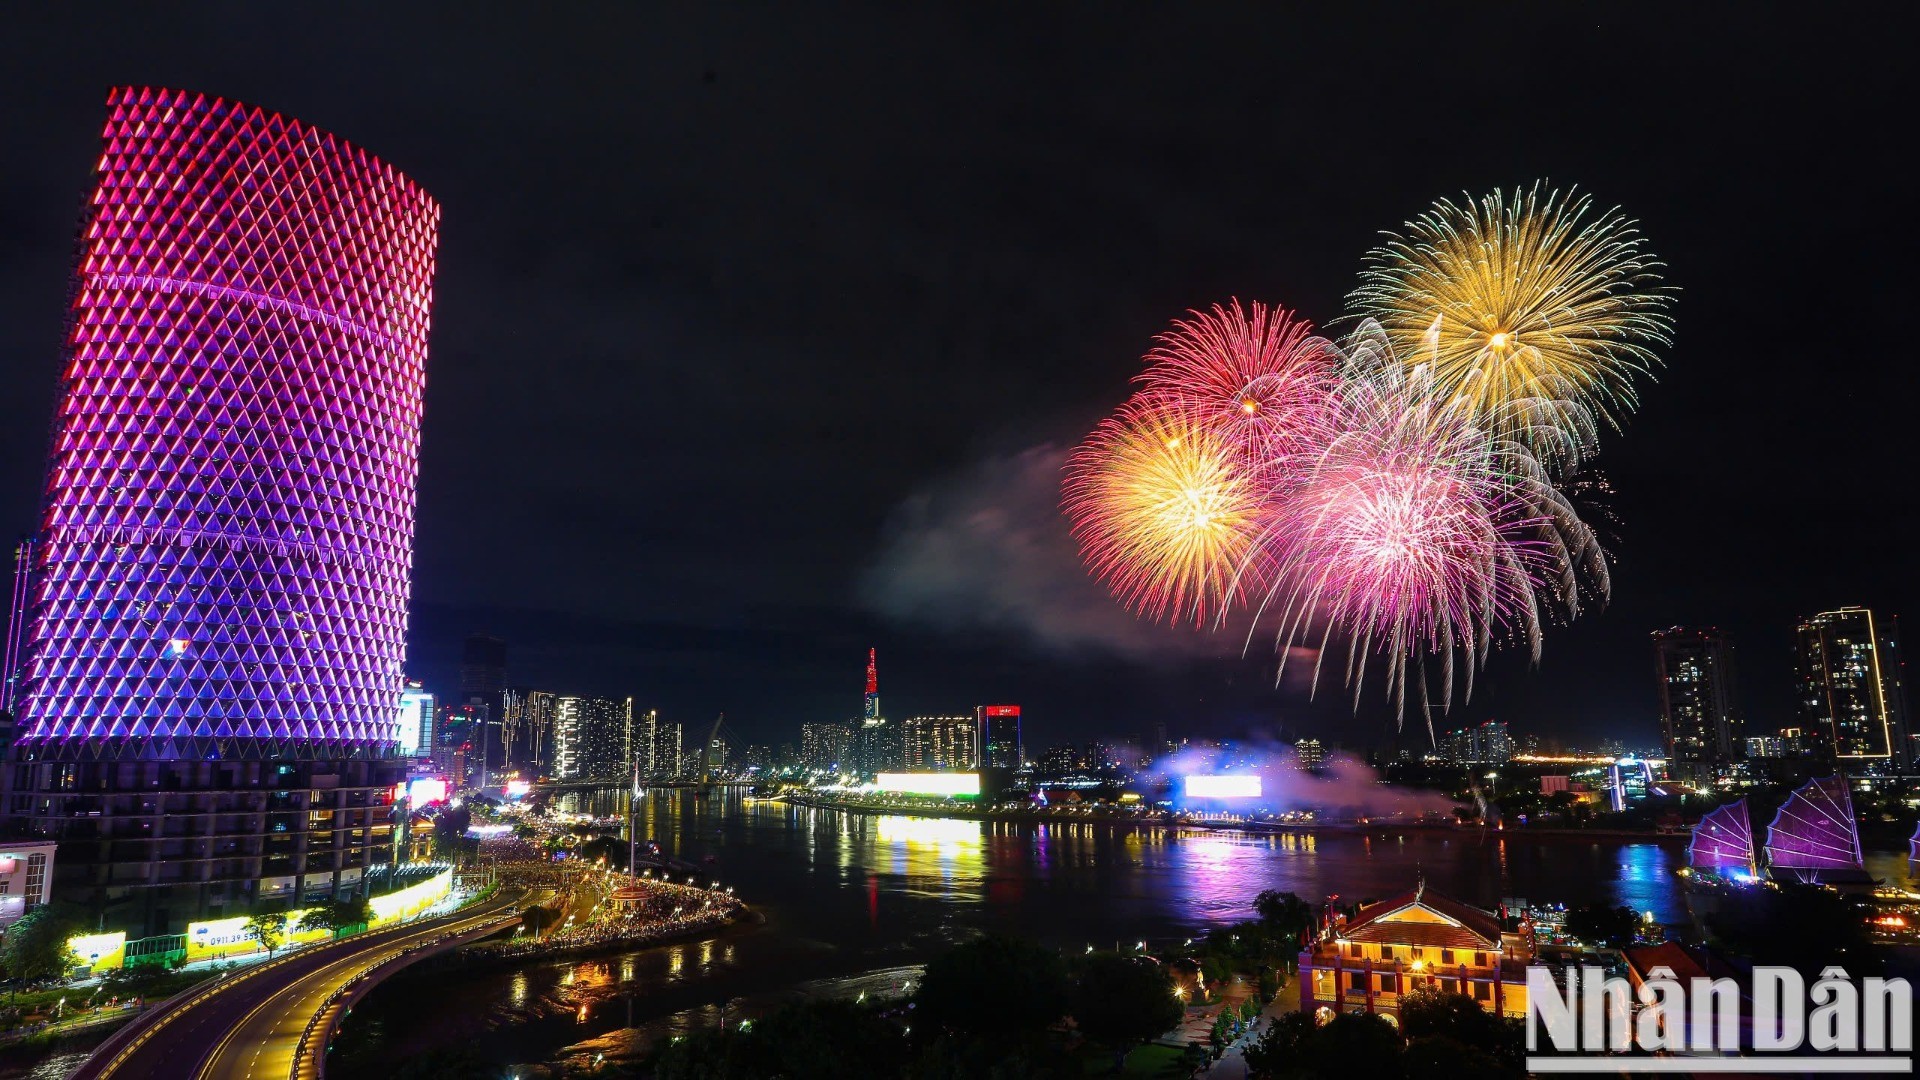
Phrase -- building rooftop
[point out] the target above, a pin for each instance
(1423, 917)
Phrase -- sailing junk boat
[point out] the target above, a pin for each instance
(1913, 853)
(1723, 843)
(1814, 837)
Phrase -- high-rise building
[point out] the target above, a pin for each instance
(220, 584)
(1851, 699)
(669, 754)
(483, 669)
(1000, 745)
(825, 747)
(1699, 712)
(1486, 743)
(593, 738)
(526, 728)
(941, 743)
(1310, 753)
(414, 736)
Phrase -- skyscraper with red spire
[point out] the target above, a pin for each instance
(872, 712)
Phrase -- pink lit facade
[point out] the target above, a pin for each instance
(225, 557)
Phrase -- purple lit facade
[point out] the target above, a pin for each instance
(217, 613)
(226, 549)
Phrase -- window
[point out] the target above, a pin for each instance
(1446, 956)
(36, 890)
(1354, 950)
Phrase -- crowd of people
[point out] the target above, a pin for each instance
(638, 913)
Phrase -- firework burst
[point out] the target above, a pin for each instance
(1535, 312)
(1416, 534)
(1252, 377)
(1165, 511)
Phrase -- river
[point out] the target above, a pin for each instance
(852, 902)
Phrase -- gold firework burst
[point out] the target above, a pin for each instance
(1534, 311)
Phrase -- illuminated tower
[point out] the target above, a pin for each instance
(872, 711)
(221, 584)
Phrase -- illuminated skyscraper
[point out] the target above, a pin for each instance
(1000, 745)
(1851, 700)
(593, 738)
(824, 747)
(220, 589)
(1699, 713)
(938, 743)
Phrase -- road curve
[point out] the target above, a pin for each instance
(250, 1024)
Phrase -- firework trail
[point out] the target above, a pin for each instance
(1416, 534)
(1533, 310)
(1165, 511)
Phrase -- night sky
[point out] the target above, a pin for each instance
(758, 337)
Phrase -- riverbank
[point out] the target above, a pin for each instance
(1137, 820)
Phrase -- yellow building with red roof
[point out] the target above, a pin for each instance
(1419, 939)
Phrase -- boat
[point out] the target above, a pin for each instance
(1814, 839)
(1913, 854)
(1722, 844)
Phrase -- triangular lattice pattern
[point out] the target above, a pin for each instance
(227, 545)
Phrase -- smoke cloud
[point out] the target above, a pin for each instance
(989, 548)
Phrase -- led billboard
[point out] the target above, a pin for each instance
(953, 785)
(1236, 786)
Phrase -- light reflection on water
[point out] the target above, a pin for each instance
(847, 897)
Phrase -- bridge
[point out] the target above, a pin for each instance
(272, 1021)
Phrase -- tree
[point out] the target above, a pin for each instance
(1123, 1001)
(1284, 913)
(1603, 925)
(1351, 1044)
(814, 1040)
(1431, 1013)
(269, 929)
(339, 915)
(36, 946)
(996, 985)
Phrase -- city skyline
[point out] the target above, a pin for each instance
(593, 578)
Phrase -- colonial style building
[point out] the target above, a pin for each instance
(1387, 950)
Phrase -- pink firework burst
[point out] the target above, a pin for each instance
(1415, 534)
(1253, 376)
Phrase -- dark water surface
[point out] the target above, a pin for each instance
(853, 902)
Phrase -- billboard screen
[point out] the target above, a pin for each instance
(421, 790)
(1237, 786)
(954, 785)
(415, 707)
